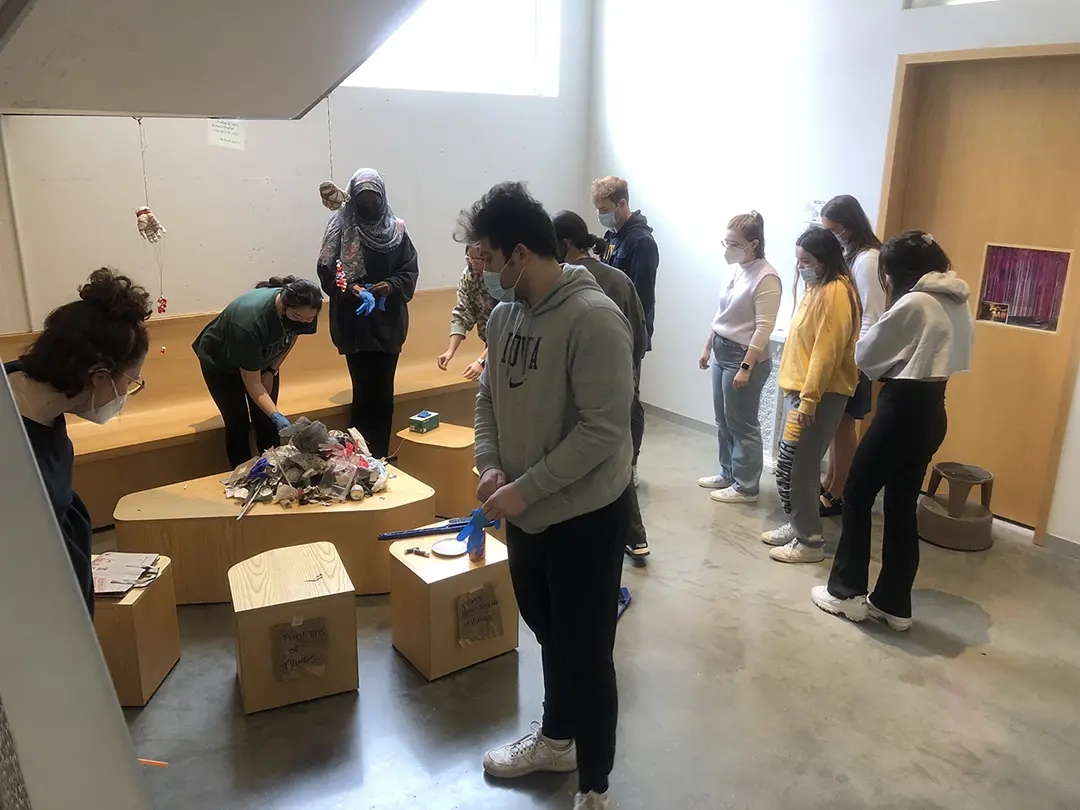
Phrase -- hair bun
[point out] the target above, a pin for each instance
(275, 281)
(116, 296)
(760, 219)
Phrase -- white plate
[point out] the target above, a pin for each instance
(449, 547)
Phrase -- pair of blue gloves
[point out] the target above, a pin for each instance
(368, 302)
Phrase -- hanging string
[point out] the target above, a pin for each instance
(147, 218)
(330, 137)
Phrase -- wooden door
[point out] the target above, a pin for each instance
(994, 157)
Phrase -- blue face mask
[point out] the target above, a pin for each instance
(493, 282)
(809, 275)
(607, 219)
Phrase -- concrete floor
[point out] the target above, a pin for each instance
(735, 691)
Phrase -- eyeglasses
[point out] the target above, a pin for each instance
(135, 386)
(728, 244)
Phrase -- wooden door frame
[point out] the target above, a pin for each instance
(894, 187)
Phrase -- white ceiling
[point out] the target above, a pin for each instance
(200, 58)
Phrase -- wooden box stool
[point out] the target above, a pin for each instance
(139, 636)
(295, 617)
(448, 614)
(442, 459)
(953, 523)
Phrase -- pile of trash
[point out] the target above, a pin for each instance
(316, 465)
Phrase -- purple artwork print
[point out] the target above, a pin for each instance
(1026, 283)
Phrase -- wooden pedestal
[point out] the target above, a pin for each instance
(139, 637)
(295, 612)
(442, 459)
(196, 526)
(425, 594)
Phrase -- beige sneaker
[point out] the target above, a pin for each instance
(798, 551)
(591, 801)
(714, 482)
(533, 752)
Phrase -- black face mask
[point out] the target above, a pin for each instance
(369, 213)
(297, 327)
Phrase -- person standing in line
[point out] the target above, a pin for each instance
(925, 336)
(241, 352)
(553, 450)
(817, 376)
(738, 348)
(369, 301)
(629, 246)
(575, 242)
(473, 308)
(844, 216)
(86, 362)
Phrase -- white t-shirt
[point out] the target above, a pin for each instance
(865, 272)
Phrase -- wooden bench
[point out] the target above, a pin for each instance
(172, 431)
(194, 524)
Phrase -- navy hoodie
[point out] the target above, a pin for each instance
(633, 250)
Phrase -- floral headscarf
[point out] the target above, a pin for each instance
(346, 234)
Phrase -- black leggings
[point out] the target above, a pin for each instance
(907, 430)
(566, 580)
(372, 412)
(239, 412)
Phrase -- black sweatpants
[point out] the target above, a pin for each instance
(637, 534)
(566, 580)
(239, 412)
(907, 430)
(372, 412)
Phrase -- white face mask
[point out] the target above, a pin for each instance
(607, 219)
(101, 415)
(735, 255)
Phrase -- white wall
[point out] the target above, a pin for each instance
(711, 109)
(234, 217)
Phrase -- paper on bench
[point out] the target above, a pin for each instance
(116, 573)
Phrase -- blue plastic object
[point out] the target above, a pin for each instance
(367, 303)
(473, 531)
(381, 299)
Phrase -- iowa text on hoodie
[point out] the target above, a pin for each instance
(928, 334)
(553, 410)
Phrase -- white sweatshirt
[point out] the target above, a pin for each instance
(928, 334)
(864, 269)
(748, 305)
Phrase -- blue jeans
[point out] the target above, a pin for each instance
(736, 411)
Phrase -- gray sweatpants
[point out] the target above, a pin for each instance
(798, 468)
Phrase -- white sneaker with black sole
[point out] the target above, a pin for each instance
(897, 623)
(854, 608)
(800, 551)
(732, 495)
(779, 537)
(532, 753)
(714, 482)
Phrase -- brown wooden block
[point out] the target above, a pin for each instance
(442, 459)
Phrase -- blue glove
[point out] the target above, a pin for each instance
(367, 303)
(279, 420)
(381, 299)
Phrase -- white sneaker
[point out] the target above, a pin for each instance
(714, 482)
(897, 623)
(779, 537)
(799, 552)
(634, 477)
(732, 495)
(853, 608)
(591, 801)
(533, 752)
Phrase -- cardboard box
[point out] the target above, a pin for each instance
(448, 614)
(444, 461)
(295, 612)
(139, 636)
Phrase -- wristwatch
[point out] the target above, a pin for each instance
(482, 361)
(745, 366)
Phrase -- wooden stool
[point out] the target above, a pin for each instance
(952, 522)
(442, 460)
(448, 614)
(139, 636)
(499, 532)
(295, 611)
(196, 526)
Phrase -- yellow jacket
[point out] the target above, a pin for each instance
(819, 353)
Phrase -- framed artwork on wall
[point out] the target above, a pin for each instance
(1023, 286)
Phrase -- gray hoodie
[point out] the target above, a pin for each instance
(553, 411)
(927, 334)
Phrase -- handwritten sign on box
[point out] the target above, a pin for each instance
(479, 616)
(299, 651)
